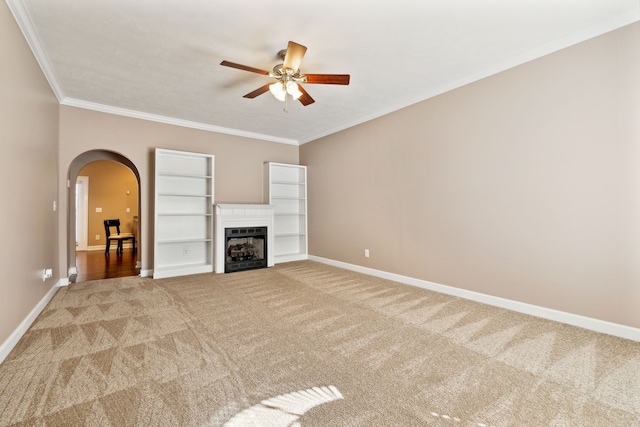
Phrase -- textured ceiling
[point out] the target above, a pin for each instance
(159, 59)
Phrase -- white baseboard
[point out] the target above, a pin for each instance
(13, 339)
(146, 273)
(592, 324)
(596, 325)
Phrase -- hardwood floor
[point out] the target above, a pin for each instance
(95, 265)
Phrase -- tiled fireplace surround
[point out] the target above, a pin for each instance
(239, 216)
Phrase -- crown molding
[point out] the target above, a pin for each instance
(78, 103)
(23, 19)
(25, 24)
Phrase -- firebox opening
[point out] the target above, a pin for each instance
(246, 248)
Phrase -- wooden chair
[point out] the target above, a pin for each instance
(118, 237)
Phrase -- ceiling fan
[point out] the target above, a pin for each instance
(288, 76)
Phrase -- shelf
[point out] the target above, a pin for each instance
(287, 254)
(185, 175)
(173, 241)
(183, 221)
(284, 216)
(288, 198)
(183, 266)
(276, 235)
(287, 182)
(183, 214)
(285, 187)
(183, 195)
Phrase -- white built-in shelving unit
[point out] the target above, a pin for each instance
(285, 187)
(183, 226)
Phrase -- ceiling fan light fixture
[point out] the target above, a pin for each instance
(278, 90)
(293, 90)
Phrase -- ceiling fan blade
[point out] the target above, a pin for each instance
(294, 55)
(305, 99)
(244, 67)
(258, 91)
(328, 79)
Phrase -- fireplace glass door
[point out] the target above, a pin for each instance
(246, 248)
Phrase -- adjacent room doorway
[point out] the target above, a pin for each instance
(108, 197)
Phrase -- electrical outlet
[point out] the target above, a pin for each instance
(366, 253)
(97, 237)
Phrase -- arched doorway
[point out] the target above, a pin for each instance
(76, 165)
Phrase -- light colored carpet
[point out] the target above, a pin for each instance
(305, 344)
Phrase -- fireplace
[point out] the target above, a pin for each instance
(246, 248)
(243, 237)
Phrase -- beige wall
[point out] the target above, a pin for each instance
(113, 189)
(28, 176)
(238, 161)
(525, 185)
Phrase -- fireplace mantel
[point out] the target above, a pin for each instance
(241, 215)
